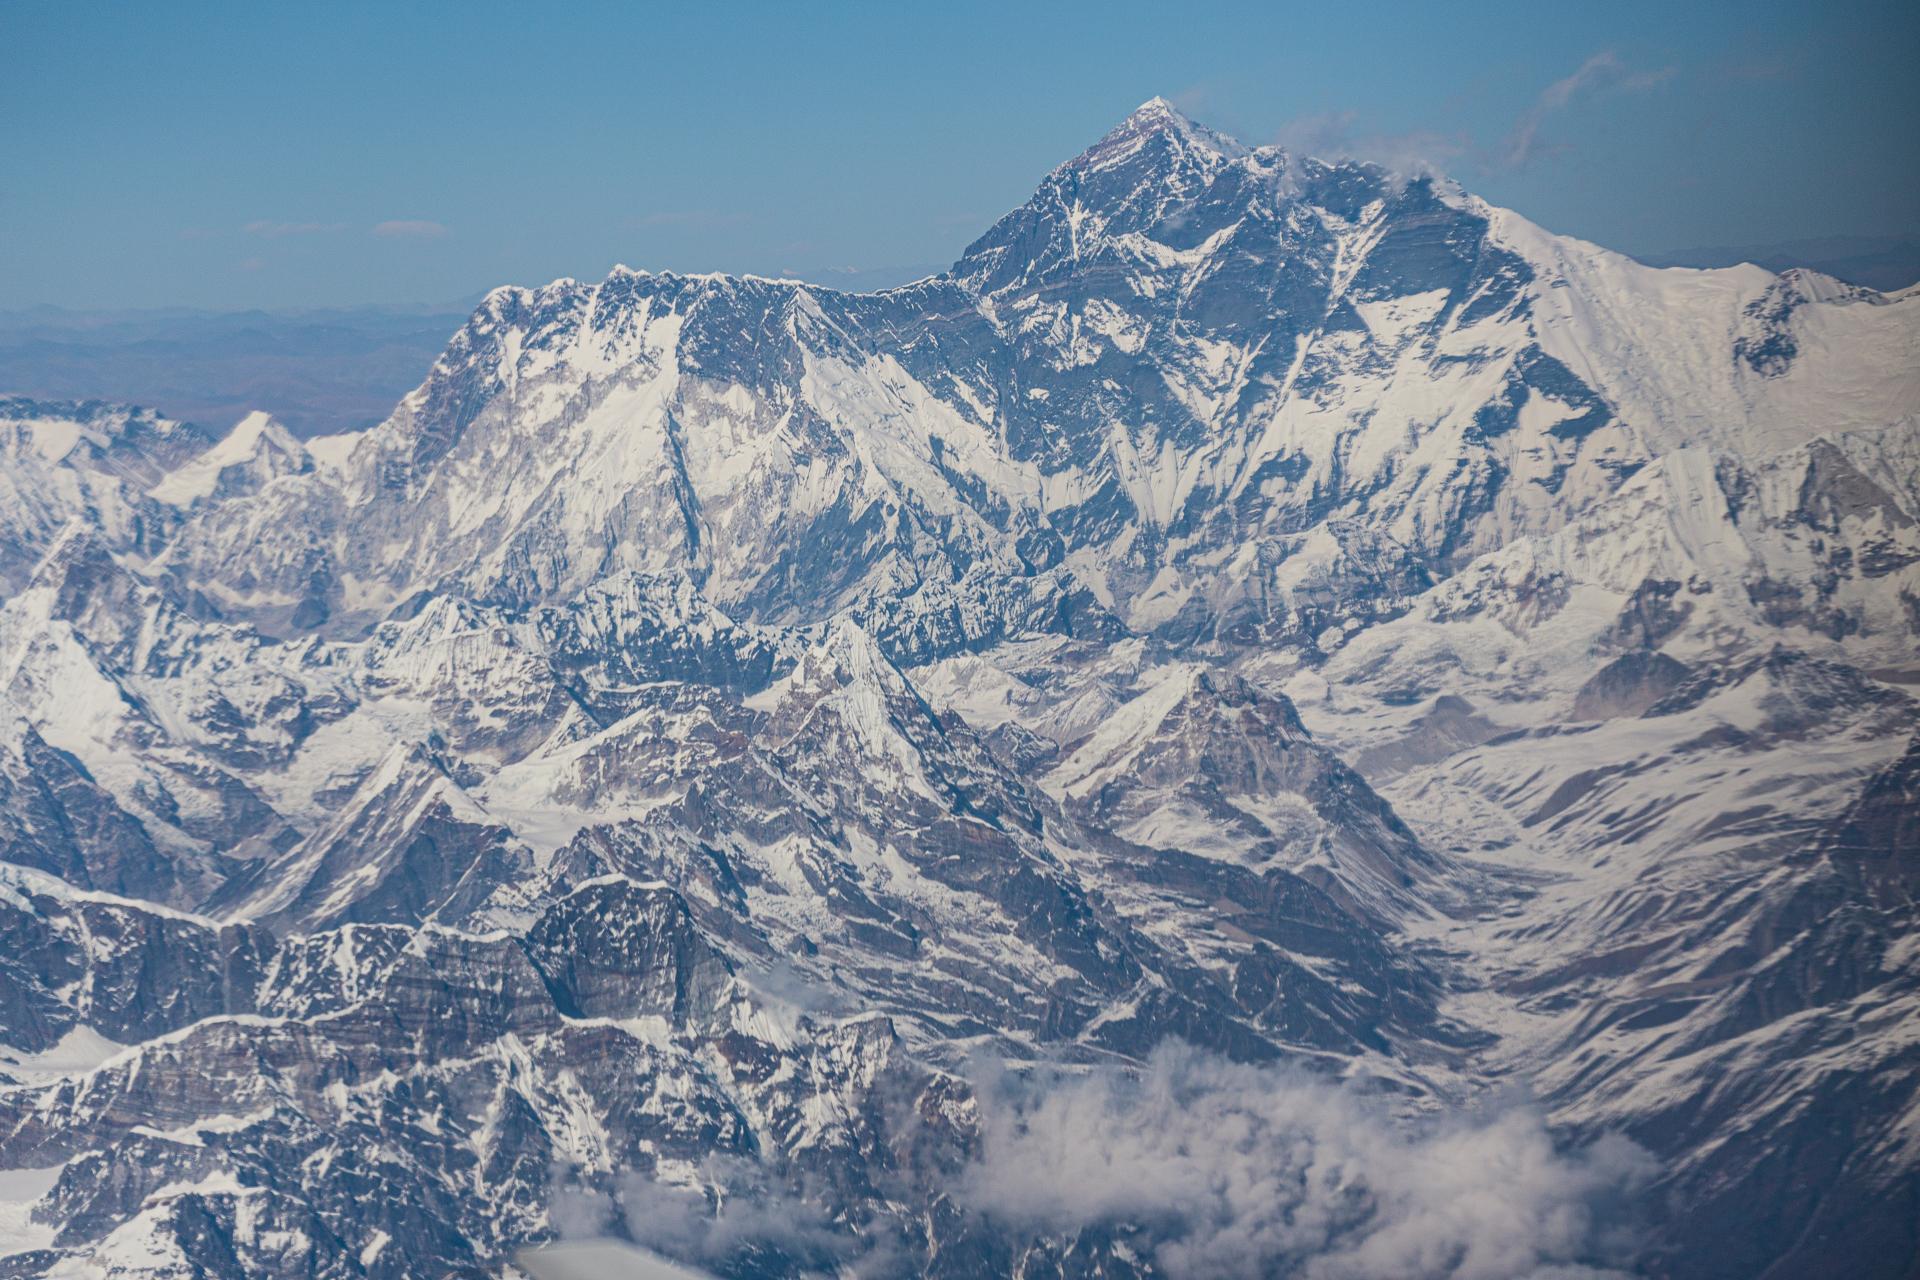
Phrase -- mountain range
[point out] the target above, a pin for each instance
(1276, 718)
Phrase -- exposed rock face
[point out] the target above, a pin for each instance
(1250, 602)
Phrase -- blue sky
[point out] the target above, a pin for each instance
(331, 154)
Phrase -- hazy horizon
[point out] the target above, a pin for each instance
(521, 155)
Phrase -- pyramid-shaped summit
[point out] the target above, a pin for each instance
(1156, 118)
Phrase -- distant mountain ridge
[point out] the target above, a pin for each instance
(1886, 263)
(315, 371)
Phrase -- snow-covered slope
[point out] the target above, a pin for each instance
(91, 463)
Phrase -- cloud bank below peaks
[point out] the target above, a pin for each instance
(1215, 1169)
(1191, 1168)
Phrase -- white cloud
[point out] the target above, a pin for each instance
(756, 1214)
(1603, 70)
(1339, 136)
(738, 1208)
(1237, 1170)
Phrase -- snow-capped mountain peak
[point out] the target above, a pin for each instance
(1155, 119)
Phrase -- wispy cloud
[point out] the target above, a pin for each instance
(269, 229)
(1199, 98)
(742, 1208)
(409, 228)
(1340, 135)
(1603, 71)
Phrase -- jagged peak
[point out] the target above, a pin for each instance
(84, 432)
(258, 425)
(114, 415)
(1157, 110)
(1156, 117)
(1804, 284)
(421, 768)
(258, 440)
